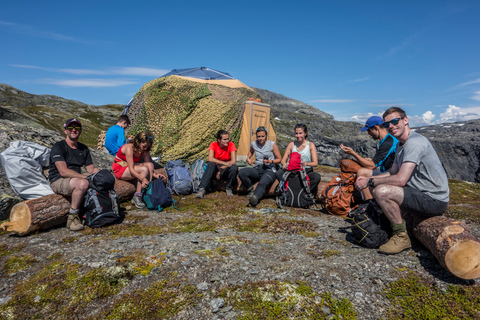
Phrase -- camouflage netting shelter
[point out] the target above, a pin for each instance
(183, 114)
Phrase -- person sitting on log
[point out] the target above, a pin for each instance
(128, 165)
(115, 136)
(267, 155)
(383, 158)
(67, 157)
(416, 183)
(222, 158)
(308, 153)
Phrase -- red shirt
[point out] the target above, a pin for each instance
(222, 154)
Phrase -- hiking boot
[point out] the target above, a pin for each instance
(250, 193)
(138, 202)
(396, 244)
(253, 201)
(200, 193)
(73, 222)
(229, 192)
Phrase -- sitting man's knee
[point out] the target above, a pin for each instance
(364, 172)
(81, 184)
(382, 191)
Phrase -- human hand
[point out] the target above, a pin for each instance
(346, 149)
(304, 164)
(250, 162)
(145, 182)
(361, 183)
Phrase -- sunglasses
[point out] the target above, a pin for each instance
(70, 128)
(393, 122)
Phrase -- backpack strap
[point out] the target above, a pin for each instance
(279, 200)
(303, 175)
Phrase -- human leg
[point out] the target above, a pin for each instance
(231, 173)
(210, 171)
(249, 176)
(390, 198)
(421, 204)
(267, 178)
(315, 179)
(79, 189)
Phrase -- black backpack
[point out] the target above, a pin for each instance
(101, 202)
(294, 190)
(370, 228)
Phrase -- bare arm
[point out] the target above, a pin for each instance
(286, 154)
(91, 169)
(399, 179)
(276, 153)
(364, 162)
(249, 155)
(313, 152)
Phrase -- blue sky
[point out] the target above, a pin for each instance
(351, 59)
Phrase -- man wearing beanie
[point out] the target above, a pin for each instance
(417, 182)
(67, 157)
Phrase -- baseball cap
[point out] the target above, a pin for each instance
(372, 121)
(70, 121)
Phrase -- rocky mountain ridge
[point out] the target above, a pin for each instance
(457, 144)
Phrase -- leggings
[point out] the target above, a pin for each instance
(250, 176)
(229, 173)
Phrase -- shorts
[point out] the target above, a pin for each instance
(417, 202)
(118, 170)
(62, 186)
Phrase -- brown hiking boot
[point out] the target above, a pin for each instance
(73, 222)
(200, 193)
(396, 244)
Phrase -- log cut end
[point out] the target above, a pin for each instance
(20, 219)
(463, 259)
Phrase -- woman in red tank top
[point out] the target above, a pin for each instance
(127, 165)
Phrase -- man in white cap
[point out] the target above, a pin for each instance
(67, 157)
(383, 158)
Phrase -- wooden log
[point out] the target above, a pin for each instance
(450, 241)
(51, 211)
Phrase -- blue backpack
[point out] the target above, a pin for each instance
(156, 196)
(198, 169)
(179, 176)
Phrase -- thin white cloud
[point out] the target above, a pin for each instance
(34, 32)
(360, 80)
(126, 71)
(92, 83)
(334, 100)
(476, 96)
(469, 82)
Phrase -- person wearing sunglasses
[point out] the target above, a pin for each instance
(384, 156)
(416, 183)
(133, 161)
(222, 159)
(308, 153)
(67, 157)
(267, 156)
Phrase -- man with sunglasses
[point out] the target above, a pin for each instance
(384, 156)
(417, 182)
(67, 157)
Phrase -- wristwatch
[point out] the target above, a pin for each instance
(371, 182)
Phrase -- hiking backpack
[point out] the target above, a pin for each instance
(338, 195)
(198, 169)
(156, 196)
(179, 176)
(370, 228)
(294, 189)
(101, 202)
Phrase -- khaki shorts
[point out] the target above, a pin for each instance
(62, 186)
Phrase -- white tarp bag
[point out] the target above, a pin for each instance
(22, 163)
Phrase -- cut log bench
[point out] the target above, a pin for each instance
(451, 241)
